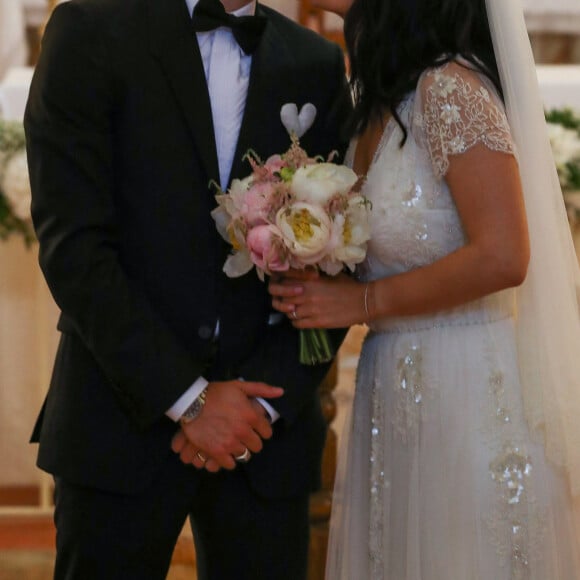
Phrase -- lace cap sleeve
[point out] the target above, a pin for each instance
(457, 110)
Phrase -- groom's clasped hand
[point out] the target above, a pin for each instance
(231, 424)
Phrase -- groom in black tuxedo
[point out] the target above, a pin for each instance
(135, 106)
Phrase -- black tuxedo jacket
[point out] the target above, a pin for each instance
(121, 152)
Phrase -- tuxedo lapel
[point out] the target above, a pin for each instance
(261, 121)
(173, 42)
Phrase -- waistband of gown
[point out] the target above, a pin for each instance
(481, 312)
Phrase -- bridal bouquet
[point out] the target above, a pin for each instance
(15, 193)
(295, 211)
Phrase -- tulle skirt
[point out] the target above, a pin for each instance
(438, 478)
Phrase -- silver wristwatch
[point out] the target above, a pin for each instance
(194, 409)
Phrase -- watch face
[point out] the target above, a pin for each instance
(194, 409)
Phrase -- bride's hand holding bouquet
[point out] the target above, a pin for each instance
(311, 300)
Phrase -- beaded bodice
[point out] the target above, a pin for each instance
(414, 220)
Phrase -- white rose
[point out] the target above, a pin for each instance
(305, 229)
(319, 182)
(16, 185)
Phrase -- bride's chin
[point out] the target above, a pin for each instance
(339, 7)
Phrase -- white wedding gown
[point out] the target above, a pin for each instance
(438, 476)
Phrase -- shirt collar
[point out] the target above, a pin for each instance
(247, 10)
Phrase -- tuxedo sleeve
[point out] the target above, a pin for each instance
(70, 131)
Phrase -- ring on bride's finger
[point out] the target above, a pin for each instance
(294, 315)
(201, 456)
(244, 457)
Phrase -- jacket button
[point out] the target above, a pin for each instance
(205, 332)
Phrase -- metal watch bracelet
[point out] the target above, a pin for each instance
(194, 409)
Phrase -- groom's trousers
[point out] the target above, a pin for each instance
(238, 536)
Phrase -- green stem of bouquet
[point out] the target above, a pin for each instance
(315, 346)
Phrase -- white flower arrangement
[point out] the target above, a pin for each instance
(15, 193)
(564, 132)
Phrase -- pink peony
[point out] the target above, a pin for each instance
(267, 249)
(257, 203)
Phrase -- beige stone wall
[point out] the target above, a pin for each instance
(27, 345)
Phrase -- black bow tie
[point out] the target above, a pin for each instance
(247, 30)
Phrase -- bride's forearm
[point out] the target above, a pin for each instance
(463, 276)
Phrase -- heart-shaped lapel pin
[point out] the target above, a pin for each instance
(297, 123)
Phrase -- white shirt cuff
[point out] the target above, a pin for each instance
(274, 415)
(186, 399)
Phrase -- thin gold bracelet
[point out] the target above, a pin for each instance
(367, 300)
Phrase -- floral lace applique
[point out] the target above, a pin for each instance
(458, 113)
(411, 391)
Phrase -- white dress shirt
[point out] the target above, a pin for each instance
(227, 72)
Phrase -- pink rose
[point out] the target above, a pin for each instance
(267, 249)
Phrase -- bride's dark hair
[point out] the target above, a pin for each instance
(391, 42)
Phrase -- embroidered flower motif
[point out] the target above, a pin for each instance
(510, 470)
(457, 145)
(445, 85)
(450, 113)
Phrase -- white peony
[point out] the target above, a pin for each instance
(356, 232)
(350, 234)
(318, 183)
(306, 231)
(15, 184)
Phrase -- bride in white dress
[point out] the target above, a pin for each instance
(462, 457)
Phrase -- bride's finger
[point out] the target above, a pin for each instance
(283, 306)
(285, 290)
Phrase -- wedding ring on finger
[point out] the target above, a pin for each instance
(294, 315)
(201, 456)
(244, 457)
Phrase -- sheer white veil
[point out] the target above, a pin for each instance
(548, 324)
